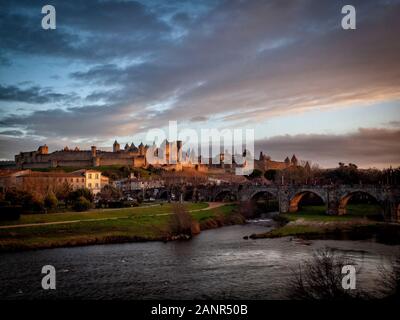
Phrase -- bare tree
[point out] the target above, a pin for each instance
(321, 278)
(181, 220)
(390, 279)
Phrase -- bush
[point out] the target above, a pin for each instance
(9, 213)
(27, 200)
(81, 204)
(321, 278)
(50, 201)
(75, 195)
(181, 220)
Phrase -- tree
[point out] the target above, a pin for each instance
(109, 193)
(181, 220)
(81, 204)
(255, 174)
(321, 278)
(50, 201)
(270, 174)
(84, 192)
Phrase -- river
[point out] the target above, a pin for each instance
(216, 264)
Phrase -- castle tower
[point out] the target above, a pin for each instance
(115, 146)
(287, 162)
(43, 149)
(141, 149)
(294, 161)
(94, 151)
(126, 147)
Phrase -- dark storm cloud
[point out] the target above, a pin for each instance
(247, 60)
(366, 147)
(73, 122)
(88, 30)
(33, 95)
(11, 133)
(237, 61)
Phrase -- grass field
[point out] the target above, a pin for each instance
(100, 214)
(317, 213)
(312, 220)
(122, 225)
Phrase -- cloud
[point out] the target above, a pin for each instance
(366, 147)
(33, 94)
(11, 133)
(140, 64)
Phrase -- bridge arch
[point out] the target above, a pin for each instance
(296, 199)
(345, 199)
(225, 195)
(264, 201)
(163, 195)
(397, 218)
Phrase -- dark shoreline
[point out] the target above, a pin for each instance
(385, 233)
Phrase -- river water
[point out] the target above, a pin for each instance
(216, 264)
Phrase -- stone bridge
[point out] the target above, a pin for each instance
(335, 198)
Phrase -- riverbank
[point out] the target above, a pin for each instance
(313, 224)
(150, 223)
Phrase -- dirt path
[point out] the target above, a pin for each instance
(211, 205)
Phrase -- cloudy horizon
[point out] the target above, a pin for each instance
(114, 70)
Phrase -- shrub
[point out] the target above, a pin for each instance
(390, 279)
(81, 204)
(321, 278)
(181, 220)
(50, 201)
(9, 213)
(75, 195)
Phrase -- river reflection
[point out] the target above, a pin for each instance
(216, 264)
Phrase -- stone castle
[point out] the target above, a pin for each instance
(130, 155)
(134, 156)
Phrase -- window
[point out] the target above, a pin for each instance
(77, 180)
(83, 179)
(89, 185)
(97, 175)
(97, 185)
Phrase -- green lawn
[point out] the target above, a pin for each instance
(315, 217)
(100, 213)
(208, 214)
(131, 224)
(317, 213)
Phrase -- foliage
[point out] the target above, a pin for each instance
(256, 174)
(181, 220)
(29, 201)
(270, 174)
(81, 204)
(109, 192)
(84, 192)
(50, 201)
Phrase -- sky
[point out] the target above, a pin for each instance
(287, 69)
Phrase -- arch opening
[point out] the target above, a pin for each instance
(307, 201)
(188, 195)
(398, 213)
(264, 202)
(163, 195)
(225, 196)
(361, 204)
